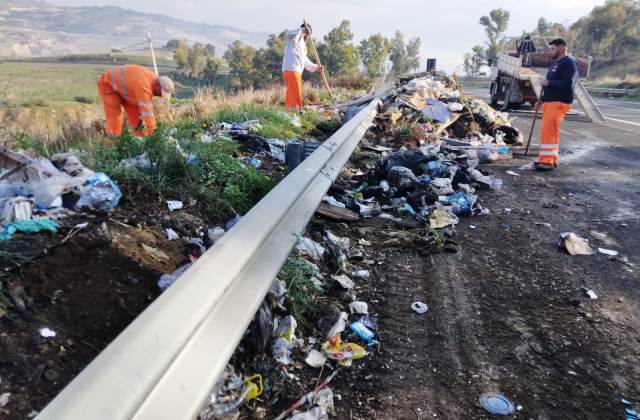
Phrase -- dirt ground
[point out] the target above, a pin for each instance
(507, 313)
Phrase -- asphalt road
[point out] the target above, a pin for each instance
(508, 313)
(620, 113)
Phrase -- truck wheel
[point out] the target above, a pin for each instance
(494, 93)
(507, 104)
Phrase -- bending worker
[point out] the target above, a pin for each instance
(557, 97)
(132, 88)
(294, 63)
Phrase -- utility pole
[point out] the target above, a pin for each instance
(153, 54)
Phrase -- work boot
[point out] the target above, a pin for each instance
(545, 167)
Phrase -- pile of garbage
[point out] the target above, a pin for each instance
(431, 107)
(35, 191)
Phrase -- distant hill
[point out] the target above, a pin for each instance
(32, 28)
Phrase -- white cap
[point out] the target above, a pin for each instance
(167, 86)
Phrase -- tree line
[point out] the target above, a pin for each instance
(609, 33)
(340, 55)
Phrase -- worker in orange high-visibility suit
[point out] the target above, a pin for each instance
(132, 88)
(557, 97)
(295, 61)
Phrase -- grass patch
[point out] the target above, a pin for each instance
(186, 169)
(84, 100)
(303, 295)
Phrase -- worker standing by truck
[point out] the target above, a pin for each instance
(131, 89)
(557, 97)
(295, 61)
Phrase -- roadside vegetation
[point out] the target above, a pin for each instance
(608, 34)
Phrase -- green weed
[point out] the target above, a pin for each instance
(303, 294)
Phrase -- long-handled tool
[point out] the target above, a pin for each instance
(533, 124)
(315, 51)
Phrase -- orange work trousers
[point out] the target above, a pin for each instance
(552, 115)
(113, 111)
(293, 98)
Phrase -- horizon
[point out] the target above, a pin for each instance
(369, 17)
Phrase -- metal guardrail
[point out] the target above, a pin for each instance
(165, 363)
(611, 90)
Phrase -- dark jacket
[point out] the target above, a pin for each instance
(562, 77)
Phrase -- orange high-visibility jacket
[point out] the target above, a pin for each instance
(134, 85)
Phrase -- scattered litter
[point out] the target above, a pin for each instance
(28, 226)
(473, 227)
(339, 326)
(358, 307)
(609, 252)
(283, 344)
(215, 234)
(231, 223)
(369, 321)
(99, 193)
(497, 404)
(311, 248)
(252, 161)
(316, 413)
(137, 162)
(337, 247)
(440, 218)
(344, 353)
(4, 399)
(344, 281)
(171, 234)
(47, 332)
(362, 331)
(419, 308)
(592, 295)
(174, 205)
(277, 149)
(16, 209)
(513, 173)
(330, 200)
(167, 280)
(315, 359)
(574, 244)
(361, 274)
(310, 397)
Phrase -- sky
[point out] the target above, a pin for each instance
(448, 28)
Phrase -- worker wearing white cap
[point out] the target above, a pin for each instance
(295, 61)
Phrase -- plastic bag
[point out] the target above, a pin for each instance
(99, 193)
(345, 353)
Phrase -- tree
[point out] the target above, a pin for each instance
(267, 62)
(495, 26)
(398, 54)
(210, 50)
(181, 55)
(172, 44)
(338, 54)
(211, 70)
(473, 62)
(373, 52)
(413, 54)
(548, 28)
(240, 58)
(197, 59)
